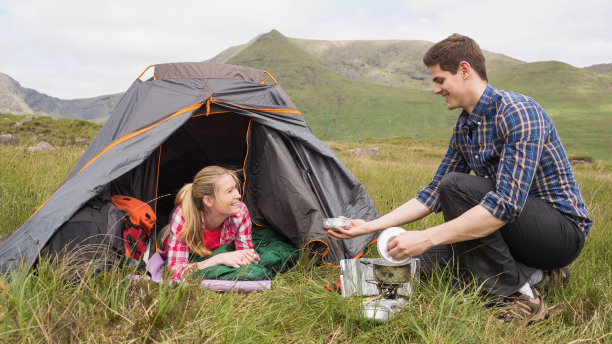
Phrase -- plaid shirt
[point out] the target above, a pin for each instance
(510, 138)
(236, 228)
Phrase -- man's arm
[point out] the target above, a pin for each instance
(425, 202)
(474, 223)
(408, 212)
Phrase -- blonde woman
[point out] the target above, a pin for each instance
(209, 213)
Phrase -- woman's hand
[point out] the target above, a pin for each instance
(238, 258)
(233, 259)
(356, 228)
(409, 244)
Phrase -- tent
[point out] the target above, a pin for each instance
(188, 116)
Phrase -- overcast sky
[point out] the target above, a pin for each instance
(76, 48)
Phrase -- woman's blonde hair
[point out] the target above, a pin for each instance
(190, 198)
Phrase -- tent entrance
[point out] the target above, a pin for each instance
(216, 139)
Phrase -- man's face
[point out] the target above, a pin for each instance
(450, 86)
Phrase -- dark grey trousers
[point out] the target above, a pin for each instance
(540, 238)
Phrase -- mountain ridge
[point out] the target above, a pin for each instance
(19, 100)
(351, 90)
(337, 107)
(395, 63)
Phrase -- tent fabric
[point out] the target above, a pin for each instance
(209, 70)
(192, 115)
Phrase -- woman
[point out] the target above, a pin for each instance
(209, 213)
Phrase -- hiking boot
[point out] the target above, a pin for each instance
(521, 308)
(554, 279)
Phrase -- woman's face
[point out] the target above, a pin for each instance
(227, 200)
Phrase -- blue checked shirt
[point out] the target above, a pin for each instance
(510, 138)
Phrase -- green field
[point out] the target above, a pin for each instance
(579, 102)
(43, 307)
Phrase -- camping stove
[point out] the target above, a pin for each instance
(382, 296)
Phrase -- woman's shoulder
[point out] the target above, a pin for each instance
(244, 213)
(243, 206)
(177, 213)
(177, 220)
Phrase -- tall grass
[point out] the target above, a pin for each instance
(111, 307)
(28, 178)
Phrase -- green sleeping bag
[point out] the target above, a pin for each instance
(275, 255)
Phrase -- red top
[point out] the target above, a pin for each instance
(212, 240)
(236, 228)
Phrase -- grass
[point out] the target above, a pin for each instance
(56, 131)
(109, 307)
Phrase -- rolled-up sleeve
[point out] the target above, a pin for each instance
(524, 130)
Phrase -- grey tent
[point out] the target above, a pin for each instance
(188, 116)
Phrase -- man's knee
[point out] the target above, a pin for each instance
(450, 183)
(455, 183)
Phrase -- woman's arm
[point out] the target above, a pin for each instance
(241, 227)
(178, 251)
(233, 259)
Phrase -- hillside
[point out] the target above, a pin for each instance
(577, 99)
(20, 100)
(397, 63)
(605, 68)
(56, 131)
(339, 108)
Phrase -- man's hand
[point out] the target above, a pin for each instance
(475, 223)
(408, 212)
(356, 228)
(409, 244)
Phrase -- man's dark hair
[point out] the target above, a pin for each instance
(449, 52)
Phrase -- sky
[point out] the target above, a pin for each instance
(78, 49)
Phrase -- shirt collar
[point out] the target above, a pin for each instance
(481, 107)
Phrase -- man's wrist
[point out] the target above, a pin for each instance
(368, 227)
(373, 226)
(433, 237)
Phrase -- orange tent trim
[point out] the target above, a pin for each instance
(264, 110)
(118, 141)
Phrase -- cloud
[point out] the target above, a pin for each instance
(72, 49)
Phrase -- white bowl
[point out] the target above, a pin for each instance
(384, 238)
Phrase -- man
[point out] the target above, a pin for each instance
(520, 215)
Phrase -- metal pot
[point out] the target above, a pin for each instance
(389, 273)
